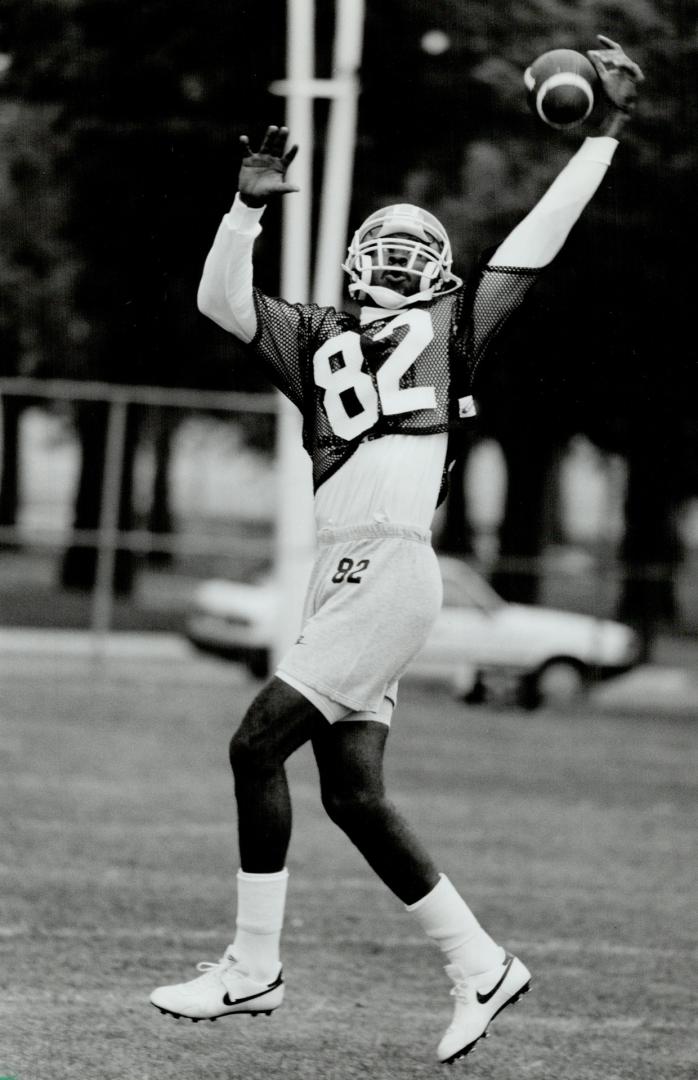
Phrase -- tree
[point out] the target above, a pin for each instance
(151, 97)
(34, 272)
(144, 147)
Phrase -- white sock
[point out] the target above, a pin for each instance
(260, 918)
(447, 920)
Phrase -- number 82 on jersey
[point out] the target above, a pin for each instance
(352, 402)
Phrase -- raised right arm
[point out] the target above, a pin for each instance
(225, 290)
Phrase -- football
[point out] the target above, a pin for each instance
(561, 88)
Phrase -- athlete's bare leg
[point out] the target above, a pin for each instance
(278, 721)
(349, 755)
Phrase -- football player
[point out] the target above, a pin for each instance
(383, 396)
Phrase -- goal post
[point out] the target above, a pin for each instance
(294, 526)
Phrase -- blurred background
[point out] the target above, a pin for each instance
(138, 441)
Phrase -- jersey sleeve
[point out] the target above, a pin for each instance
(286, 340)
(506, 274)
(283, 336)
(487, 305)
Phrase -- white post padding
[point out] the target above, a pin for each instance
(340, 147)
(295, 525)
(294, 521)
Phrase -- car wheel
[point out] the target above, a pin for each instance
(477, 694)
(559, 682)
(259, 664)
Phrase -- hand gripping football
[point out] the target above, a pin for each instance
(561, 88)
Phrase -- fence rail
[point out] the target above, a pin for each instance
(76, 390)
(107, 538)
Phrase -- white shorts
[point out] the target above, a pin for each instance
(374, 593)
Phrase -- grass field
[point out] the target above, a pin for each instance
(571, 835)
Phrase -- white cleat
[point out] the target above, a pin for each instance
(223, 989)
(478, 1000)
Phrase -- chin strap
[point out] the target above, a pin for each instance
(388, 298)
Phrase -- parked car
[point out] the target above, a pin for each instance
(479, 642)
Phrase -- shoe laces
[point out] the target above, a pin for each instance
(463, 990)
(226, 961)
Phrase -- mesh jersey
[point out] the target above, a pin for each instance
(403, 371)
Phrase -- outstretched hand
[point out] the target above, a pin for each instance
(619, 75)
(263, 173)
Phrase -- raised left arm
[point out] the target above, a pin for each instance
(536, 240)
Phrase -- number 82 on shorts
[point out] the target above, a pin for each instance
(350, 571)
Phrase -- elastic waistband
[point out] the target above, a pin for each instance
(336, 534)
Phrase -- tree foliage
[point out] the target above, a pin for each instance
(150, 96)
(130, 112)
(149, 99)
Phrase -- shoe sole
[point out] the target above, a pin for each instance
(196, 1019)
(467, 1049)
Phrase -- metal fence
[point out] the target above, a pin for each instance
(107, 538)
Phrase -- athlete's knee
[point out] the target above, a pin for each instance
(354, 810)
(278, 721)
(249, 752)
(243, 759)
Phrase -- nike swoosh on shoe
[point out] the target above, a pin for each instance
(484, 998)
(227, 1000)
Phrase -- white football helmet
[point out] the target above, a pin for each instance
(421, 240)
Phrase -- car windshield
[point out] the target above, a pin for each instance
(464, 587)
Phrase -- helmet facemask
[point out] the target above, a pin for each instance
(404, 239)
